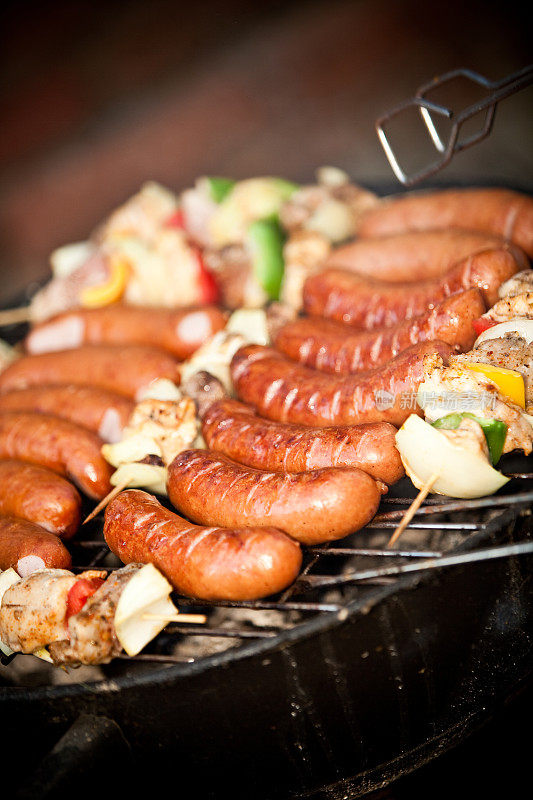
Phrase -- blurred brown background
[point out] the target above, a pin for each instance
(98, 97)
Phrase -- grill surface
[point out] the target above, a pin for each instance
(443, 533)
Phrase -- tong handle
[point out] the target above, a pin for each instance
(499, 90)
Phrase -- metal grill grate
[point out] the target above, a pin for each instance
(444, 532)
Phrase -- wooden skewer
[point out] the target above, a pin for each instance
(107, 499)
(413, 508)
(10, 316)
(198, 619)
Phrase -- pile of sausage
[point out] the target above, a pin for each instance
(304, 452)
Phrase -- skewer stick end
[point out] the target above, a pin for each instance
(106, 500)
(13, 316)
(192, 619)
(413, 508)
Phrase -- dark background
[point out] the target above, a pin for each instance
(96, 98)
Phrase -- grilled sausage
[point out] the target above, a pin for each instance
(417, 255)
(233, 429)
(126, 369)
(39, 496)
(498, 211)
(207, 563)
(334, 347)
(27, 547)
(350, 298)
(104, 412)
(180, 331)
(285, 391)
(59, 445)
(312, 507)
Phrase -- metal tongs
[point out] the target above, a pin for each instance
(498, 90)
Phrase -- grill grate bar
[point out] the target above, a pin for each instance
(358, 551)
(242, 633)
(434, 526)
(314, 581)
(263, 605)
(521, 498)
(157, 657)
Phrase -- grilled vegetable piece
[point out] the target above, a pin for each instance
(458, 464)
(265, 240)
(494, 429)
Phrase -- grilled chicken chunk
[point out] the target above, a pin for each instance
(91, 632)
(519, 284)
(32, 613)
(510, 352)
(508, 308)
(452, 389)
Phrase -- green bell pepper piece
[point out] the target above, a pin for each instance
(219, 188)
(265, 239)
(286, 187)
(494, 429)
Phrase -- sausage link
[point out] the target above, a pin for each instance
(59, 445)
(233, 429)
(498, 211)
(126, 369)
(40, 496)
(180, 331)
(334, 347)
(312, 507)
(355, 300)
(207, 563)
(417, 255)
(104, 412)
(285, 391)
(24, 545)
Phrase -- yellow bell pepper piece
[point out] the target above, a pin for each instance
(113, 288)
(509, 382)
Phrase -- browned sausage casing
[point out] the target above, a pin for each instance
(39, 496)
(417, 255)
(208, 563)
(104, 412)
(59, 445)
(285, 391)
(181, 331)
(499, 211)
(20, 539)
(126, 369)
(312, 507)
(355, 300)
(334, 347)
(233, 429)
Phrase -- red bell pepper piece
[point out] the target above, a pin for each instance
(209, 291)
(80, 593)
(177, 220)
(482, 324)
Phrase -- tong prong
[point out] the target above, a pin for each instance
(499, 90)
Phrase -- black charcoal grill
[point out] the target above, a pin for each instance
(371, 664)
